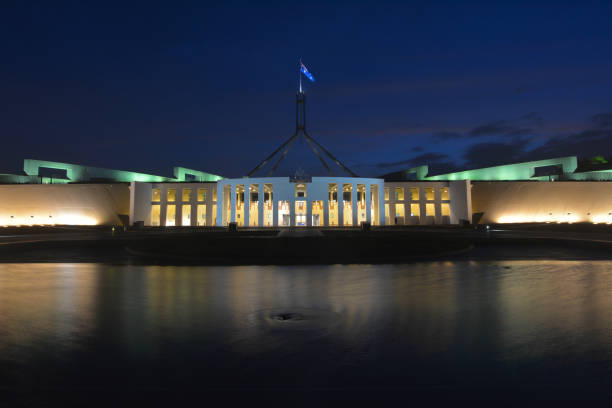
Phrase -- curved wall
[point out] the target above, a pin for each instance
(63, 204)
(540, 201)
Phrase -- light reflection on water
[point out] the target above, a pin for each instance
(436, 323)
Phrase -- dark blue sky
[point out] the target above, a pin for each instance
(145, 86)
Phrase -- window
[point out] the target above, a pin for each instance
(201, 214)
(387, 193)
(429, 193)
(186, 219)
(430, 210)
(171, 215)
(201, 194)
(332, 189)
(387, 214)
(300, 213)
(446, 209)
(284, 214)
(187, 194)
(317, 213)
(414, 194)
(444, 193)
(171, 195)
(156, 195)
(155, 211)
(399, 194)
(399, 214)
(415, 210)
(300, 190)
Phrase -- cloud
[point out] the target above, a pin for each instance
(587, 143)
(498, 127)
(493, 153)
(417, 149)
(533, 118)
(446, 135)
(506, 128)
(419, 160)
(602, 119)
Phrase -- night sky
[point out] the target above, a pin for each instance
(148, 86)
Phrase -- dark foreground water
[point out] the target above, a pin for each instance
(311, 336)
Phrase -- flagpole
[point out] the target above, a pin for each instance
(300, 74)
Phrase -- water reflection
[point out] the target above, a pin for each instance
(435, 323)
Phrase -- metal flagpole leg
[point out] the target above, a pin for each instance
(282, 156)
(260, 165)
(330, 155)
(314, 149)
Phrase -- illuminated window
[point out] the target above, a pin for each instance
(201, 194)
(214, 214)
(284, 214)
(268, 209)
(156, 195)
(387, 214)
(347, 204)
(240, 211)
(429, 193)
(374, 205)
(332, 189)
(254, 205)
(444, 194)
(300, 213)
(361, 204)
(317, 213)
(155, 211)
(170, 215)
(386, 193)
(300, 190)
(446, 209)
(430, 209)
(186, 219)
(399, 194)
(171, 195)
(414, 194)
(399, 214)
(201, 214)
(415, 210)
(187, 194)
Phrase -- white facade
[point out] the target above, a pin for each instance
(317, 202)
(283, 204)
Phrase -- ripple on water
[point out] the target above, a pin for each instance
(296, 318)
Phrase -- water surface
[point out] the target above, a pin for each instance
(467, 329)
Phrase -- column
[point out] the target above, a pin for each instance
(325, 220)
(354, 205)
(163, 203)
(308, 209)
(422, 201)
(381, 204)
(275, 194)
(292, 209)
(368, 201)
(340, 203)
(220, 203)
(233, 202)
(260, 209)
(247, 204)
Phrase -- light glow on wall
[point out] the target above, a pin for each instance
(559, 218)
(62, 219)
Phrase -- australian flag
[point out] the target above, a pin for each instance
(306, 72)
